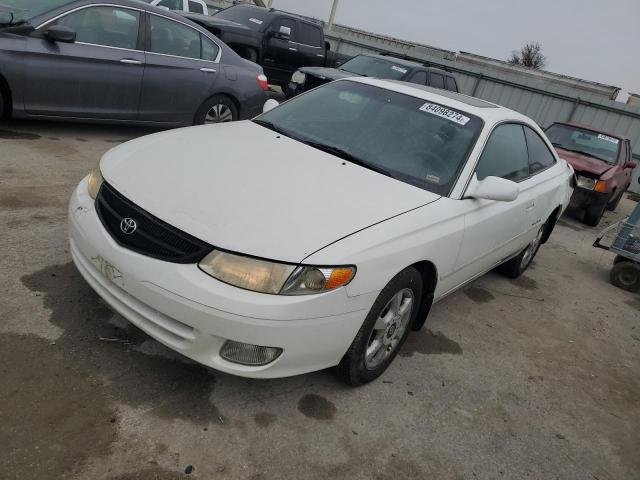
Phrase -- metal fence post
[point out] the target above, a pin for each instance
(574, 109)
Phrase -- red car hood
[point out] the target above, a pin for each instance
(584, 163)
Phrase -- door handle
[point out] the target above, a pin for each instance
(208, 70)
(131, 61)
(530, 207)
(293, 49)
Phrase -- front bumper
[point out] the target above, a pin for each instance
(194, 314)
(293, 89)
(585, 198)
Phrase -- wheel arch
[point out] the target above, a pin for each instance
(5, 91)
(429, 273)
(223, 93)
(551, 223)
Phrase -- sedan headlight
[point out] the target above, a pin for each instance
(272, 277)
(95, 182)
(586, 182)
(298, 77)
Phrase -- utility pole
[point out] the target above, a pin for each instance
(332, 17)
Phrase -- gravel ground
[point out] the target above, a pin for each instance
(534, 378)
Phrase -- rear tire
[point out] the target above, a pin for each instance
(518, 265)
(217, 109)
(384, 331)
(626, 275)
(593, 215)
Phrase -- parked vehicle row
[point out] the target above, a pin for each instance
(121, 61)
(279, 41)
(377, 66)
(325, 228)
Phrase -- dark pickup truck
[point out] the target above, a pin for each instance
(369, 65)
(278, 41)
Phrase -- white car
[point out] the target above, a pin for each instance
(320, 233)
(193, 6)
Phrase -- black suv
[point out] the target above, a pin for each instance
(377, 66)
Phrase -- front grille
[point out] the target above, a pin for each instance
(152, 237)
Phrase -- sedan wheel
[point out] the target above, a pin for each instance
(219, 113)
(531, 250)
(389, 328)
(385, 329)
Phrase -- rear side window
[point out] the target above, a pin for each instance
(505, 154)
(171, 4)
(107, 26)
(209, 49)
(436, 80)
(309, 35)
(173, 38)
(540, 158)
(451, 84)
(195, 7)
(420, 78)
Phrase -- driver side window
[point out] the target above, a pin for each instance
(505, 154)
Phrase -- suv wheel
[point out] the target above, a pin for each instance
(385, 329)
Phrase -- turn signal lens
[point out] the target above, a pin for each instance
(339, 277)
(600, 187)
(95, 182)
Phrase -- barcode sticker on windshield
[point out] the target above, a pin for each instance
(255, 20)
(608, 138)
(443, 112)
(398, 69)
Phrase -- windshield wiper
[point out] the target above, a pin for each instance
(339, 152)
(272, 126)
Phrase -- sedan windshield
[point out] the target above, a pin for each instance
(18, 11)
(374, 67)
(580, 140)
(418, 142)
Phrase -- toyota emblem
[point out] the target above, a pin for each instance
(128, 226)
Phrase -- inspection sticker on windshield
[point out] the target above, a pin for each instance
(439, 111)
(398, 69)
(608, 138)
(255, 20)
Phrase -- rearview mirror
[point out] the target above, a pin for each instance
(60, 33)
(269, 105)
(493, 188)
(629, 165)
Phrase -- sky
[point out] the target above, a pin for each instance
(596, 40)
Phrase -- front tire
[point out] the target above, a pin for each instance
(517, 265)
(593, 215)
(626, 275)
(384, 331)
(217, 109)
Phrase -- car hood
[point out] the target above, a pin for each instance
(584, 163)
(242, 187)
(328, 73)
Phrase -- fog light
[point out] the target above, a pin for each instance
(247, 354)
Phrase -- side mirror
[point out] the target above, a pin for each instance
(269, 105)
(493, 188)
(60, 33)
(629, 165)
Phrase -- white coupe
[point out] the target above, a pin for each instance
(320, 233)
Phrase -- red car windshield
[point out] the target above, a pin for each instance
(580, 140)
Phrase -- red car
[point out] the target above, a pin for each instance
(602, 162)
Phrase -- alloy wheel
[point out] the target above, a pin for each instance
(531, 249)
(219, 113)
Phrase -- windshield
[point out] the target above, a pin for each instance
(418, 142)
(251, 17)
(374, 67)
(594, 144)
(16, 11)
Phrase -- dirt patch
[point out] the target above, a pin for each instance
(526, 283)
(53, 416)
(81, 139)
(153, 473)
(27, 198)
(635, 304)
(11, 135)
(264, 419)
(429, 343)
(316, 406)
(479, 295)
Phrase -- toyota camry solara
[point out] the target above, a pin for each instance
(320, 233)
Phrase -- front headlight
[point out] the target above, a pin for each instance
(586, 182)
(273, 277)
(298, 77)
(95, 182)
